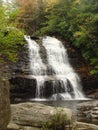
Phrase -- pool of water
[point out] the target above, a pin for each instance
(70, 103)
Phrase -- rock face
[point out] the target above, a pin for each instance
(24, 87)
(36, 115)
(89, 83)
(4, 103)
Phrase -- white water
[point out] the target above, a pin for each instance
(58, 59)
(36, 65)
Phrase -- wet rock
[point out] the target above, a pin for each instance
(89, 82)
(91, 86)
(34, 37)
(88, 112)
(24, 87)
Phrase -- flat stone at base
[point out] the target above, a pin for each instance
(35, 114)
(86, 126)
(13, 126)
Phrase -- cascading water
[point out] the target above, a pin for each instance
(36, 65)
(58, 59)
(66, 84)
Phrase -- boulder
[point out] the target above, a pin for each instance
(35, 115)
(4, 103)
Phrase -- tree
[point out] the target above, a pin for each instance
(10, 36)
(27, 15)
(31, 13)
(77, 22)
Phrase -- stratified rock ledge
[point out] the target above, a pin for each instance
(86, 126)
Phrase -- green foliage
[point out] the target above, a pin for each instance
(10, 37)
(94, 62)
(56, 122)
(9, 43)
(77, 22)
(56, 20)
(74, 20)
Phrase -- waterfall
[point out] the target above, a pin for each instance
(37, 67)
(66, 84)
(58, 59)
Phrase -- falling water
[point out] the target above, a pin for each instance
(36, 65)
(65, 76)
(58, 59)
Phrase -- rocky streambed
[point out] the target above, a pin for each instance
(88, 111)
